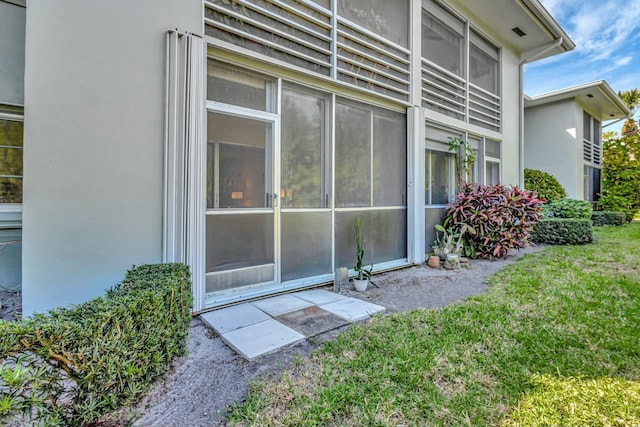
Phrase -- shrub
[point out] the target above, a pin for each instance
(621, 175)
(563, 231)
(599, 218)
(616, 203)
(544, 184)
(74, 364)
(567, 208)
(500, 216)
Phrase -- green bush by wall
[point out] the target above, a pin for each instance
(544, 184)
(567, 208)
(72, 365)
(599, 218)
(563, 231)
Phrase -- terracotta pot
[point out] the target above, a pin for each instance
(434, 261)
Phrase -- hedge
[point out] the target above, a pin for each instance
(72, 365)
(563, 231)
(599, 218)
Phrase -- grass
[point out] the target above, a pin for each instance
(555, 342)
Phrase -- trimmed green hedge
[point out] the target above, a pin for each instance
(563, 231)
(72, 365)
(600, 218)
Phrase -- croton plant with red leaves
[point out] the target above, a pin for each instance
(502, 217)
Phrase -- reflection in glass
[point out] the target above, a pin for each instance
(239, 241)
(384, 233)
(389, 159)
(303, 182)
(437, 177)
(441, 44)
(492, 173)
(237, 175)
(306, 244)
(353, 156)
(11, 140)
(237, 86)
(387, 18)
(483, 67)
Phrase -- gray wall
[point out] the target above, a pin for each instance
(12, 23)
(553, 143)
(94, 106)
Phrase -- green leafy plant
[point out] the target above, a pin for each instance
(465, 156)
(362, 272)
(452, 241)
(72, 365)
(544, 184)
(621, 176)
(500, 216)
(567, 208)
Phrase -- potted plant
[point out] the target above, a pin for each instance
(363, 277)
(450, 245)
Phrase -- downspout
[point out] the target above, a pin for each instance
(524, 61)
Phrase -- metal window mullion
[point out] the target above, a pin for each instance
(332, 135)
(371, 158)
(467, 36)
(334, 40)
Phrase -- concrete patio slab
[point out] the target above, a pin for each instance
(235, 317)
(312, 321)
(281, 304)
(353, 310)
(319, 296)
(261, 338)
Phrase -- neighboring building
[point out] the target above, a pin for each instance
(248, 138)
(563, 135)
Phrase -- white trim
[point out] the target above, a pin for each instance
(185, 157)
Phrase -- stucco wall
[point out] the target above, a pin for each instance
(553, 143)
(510, 118)
(94, 106)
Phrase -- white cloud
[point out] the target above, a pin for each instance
(621, 62)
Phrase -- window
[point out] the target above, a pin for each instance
(11, 143)
(439, 177)
(370, 156)
(236, 86)
(443, 44)
(591, 139)
(483, 63)
(387, 18)
(592, 184)
(460, 69)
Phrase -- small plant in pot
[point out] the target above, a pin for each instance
(451, 245)
(363, 277)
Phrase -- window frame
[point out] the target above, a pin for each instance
(11, 114)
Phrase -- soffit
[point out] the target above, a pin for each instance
(530, 16)
(597, 98)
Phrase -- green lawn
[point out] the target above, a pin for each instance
(555, 341)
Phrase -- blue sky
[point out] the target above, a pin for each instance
(607, 38)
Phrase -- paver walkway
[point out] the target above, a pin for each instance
(264, 326)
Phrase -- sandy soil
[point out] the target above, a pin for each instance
(200, 388)
(212, 377)
(10, 305)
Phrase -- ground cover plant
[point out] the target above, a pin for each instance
(553, 342)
